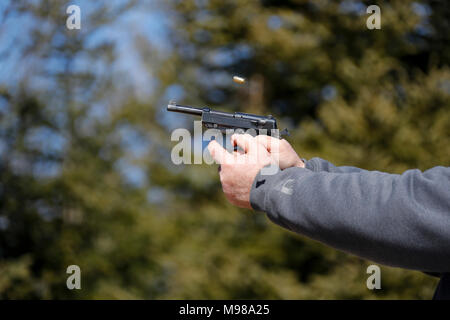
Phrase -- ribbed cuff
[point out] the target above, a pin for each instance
(311, 165)
(260, 189)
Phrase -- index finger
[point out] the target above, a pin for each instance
(219, 154)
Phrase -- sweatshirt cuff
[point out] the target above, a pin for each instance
(259, 191)
(312, 164)
(266, 181)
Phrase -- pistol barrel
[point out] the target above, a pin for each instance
(184, 109)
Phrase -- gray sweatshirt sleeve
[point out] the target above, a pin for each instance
(318, 164)
(398, 220)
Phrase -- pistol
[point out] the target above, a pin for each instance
(224, 121)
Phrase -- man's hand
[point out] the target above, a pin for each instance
(239, 169)
(281, 152)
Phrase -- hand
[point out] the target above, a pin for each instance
(238, 170)
(281, 152)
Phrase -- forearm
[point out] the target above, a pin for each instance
(398, 220)
(321, 165)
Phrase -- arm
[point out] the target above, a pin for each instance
(286, 157)
(318, 165)
(399, 220)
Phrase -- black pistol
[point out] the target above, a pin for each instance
(224, 121)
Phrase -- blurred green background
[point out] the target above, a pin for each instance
(85, 170)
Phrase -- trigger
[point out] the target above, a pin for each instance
(284, 132)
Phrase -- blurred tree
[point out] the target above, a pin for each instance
(86, 176)
(373, 99)
(64, 199)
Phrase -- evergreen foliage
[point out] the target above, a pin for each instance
(85, 170)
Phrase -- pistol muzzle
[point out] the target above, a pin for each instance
(172, 106)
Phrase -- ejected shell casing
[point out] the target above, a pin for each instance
(239, 80)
